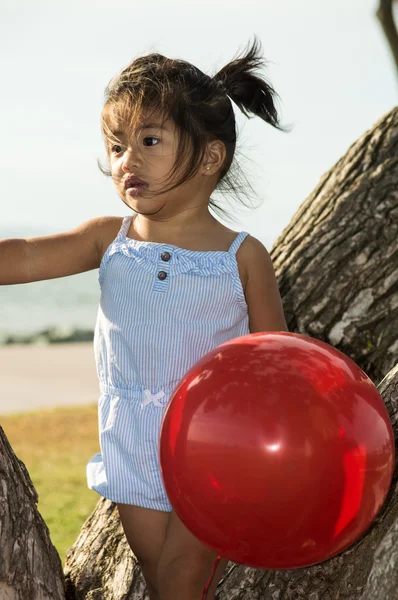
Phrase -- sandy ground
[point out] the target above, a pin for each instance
(34, 377)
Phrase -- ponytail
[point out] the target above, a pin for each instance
(249, 90)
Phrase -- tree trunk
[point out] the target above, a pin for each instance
(100, 565)
(383, 580)
(385, 15)
(30, 568)
(337, 260)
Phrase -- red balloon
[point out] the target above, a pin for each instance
(276, 450)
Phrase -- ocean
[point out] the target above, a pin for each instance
(67, 304)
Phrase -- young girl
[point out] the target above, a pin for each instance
(175, 283)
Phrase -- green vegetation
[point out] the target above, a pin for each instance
(55, 446)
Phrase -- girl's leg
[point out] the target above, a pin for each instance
(145, 530)
(185, 565)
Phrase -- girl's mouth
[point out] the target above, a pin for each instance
(136, 189)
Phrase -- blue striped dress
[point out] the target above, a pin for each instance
(161, 309)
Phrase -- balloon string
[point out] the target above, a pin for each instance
(210, 578)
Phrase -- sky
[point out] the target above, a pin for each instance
(328, 61)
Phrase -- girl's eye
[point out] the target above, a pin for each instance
(116, 148)
(151, 137)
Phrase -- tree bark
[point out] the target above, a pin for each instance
(100, 565)
(337, 260)
(383, 579)
(30, 568)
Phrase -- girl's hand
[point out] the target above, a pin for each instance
(52, 256)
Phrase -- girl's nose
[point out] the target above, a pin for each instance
(130, 161)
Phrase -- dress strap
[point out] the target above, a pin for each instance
(237, 241)
(123, 231)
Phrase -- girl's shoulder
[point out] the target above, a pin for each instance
(108, 229)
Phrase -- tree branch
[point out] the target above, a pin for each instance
(385, 15)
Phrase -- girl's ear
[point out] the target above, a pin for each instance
(215, 156)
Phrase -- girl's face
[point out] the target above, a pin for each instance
(149, 153)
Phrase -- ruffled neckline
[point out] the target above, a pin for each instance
(167, 247)
(148, 256)
(182, 260)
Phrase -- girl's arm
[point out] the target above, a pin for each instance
(51, 256)
(262, 293)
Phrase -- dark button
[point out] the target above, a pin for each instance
(165, 256)
(162, 275)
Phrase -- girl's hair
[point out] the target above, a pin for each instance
(199, 106)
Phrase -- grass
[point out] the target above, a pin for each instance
(55, 446)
